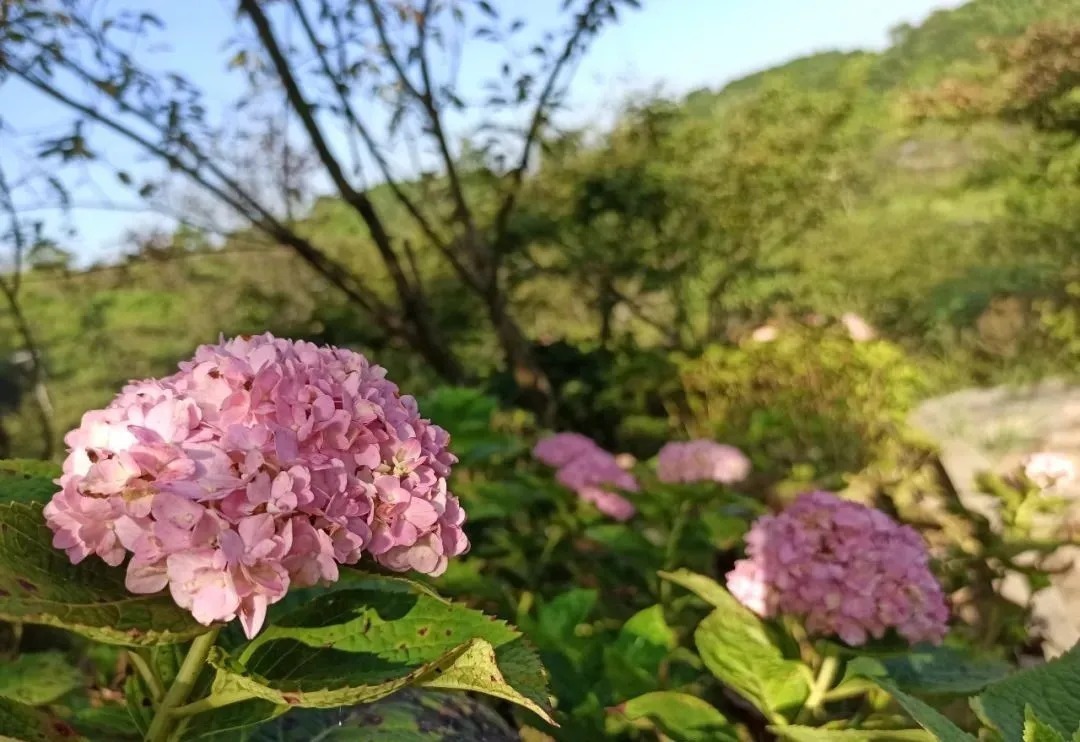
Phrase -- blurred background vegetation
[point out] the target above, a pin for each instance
(932, 189)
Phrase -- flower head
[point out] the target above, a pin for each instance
(262, 464)
(701, 461)
(590, 471)
(844, 569)
(1049, 471)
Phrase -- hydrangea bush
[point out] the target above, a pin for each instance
(262, 467)
(254, 540)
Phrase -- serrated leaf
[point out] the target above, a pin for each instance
(1036, 731)
(38, 678)
(407, 716)
(26, 724)
(816, 734)
(926, 716)
(1052, 690)
(379, 635)
(39, 585)
(27, 480)
(932, 671)
(680, 716)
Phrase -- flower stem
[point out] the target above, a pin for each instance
(671, 549)
(824, 680)
(180, 689)
(153, 682)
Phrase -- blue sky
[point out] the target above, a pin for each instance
(678, 45)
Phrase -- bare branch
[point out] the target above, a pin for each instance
(539, 115)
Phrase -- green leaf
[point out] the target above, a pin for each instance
(680, 716)
(38, 678)
(735, 645)
(815, 734)
(377, 636)
(237, 721)
(39, 585)
(926, 717)
(932, 671)
(1052, 690)
(1036, 731)
(633, 660)
(26, 724)
(708, 590)
(110, 722)
(407, 716)
(27, 480)
(558, 619)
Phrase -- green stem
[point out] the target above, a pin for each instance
(209, 703)
(178, 692)
(824, 680)
(153, 682)
(671, 549)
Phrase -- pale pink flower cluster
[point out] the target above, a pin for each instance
(701, 461)
(1049, 471)
(590, 471)
(261, 465)
(842, 568)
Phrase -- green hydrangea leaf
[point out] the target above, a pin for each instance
(1051, 690)
(1036, 731)
(375, 637)
(932, 671)
(925, 715)
(680, 717)
(739, 652)
(710, 591)
(39, 585)
(816, 734)
(26, 724)
(26, 480)
(633, 660)
(38, 678)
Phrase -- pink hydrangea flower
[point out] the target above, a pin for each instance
(590, 471)
(562, 448)
(263, 464)
(701, 461)
(844, 569)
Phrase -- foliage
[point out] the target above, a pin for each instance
(810, 396)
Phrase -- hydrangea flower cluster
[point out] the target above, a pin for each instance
(844, 569)
(701, 461)
(590, 471)
(261, 465)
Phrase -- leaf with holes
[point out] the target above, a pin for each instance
(39, 585)
(376, 636)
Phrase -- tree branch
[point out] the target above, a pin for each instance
(410, 206)
(426, 97)
(517, 176)
(353, 197)
(337, 274)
